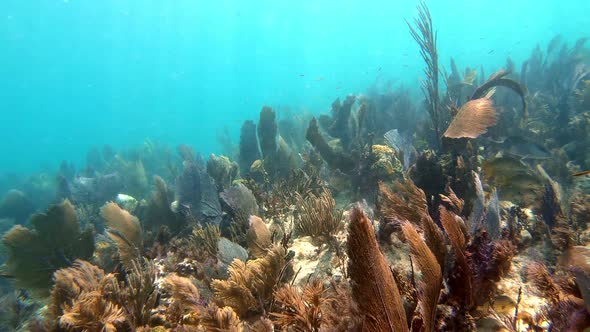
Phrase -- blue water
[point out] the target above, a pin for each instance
(82, 73)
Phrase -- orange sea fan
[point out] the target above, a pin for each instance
(473, 119)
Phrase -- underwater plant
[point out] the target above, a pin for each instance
(207, 237)
(315, 307)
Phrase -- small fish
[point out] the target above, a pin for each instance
(379, 69)
(491, 51)
(582, 173)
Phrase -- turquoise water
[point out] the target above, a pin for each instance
(76, 74)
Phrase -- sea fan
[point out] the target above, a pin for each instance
(53, 243)
(125, 230)
(473, 119)
(258, 236)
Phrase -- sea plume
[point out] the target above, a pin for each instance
(473, 119)
(92, 312)
(430, 286)
(373, 286)
(318, 215)
(80, 301)
(408, 203)
(250, 284)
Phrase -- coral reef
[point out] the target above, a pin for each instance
(465, 210)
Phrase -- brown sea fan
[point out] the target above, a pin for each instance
(258, 237)
(55, 240)
(125, 230)
(543, 283)
(473, 119)
(373, 286)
